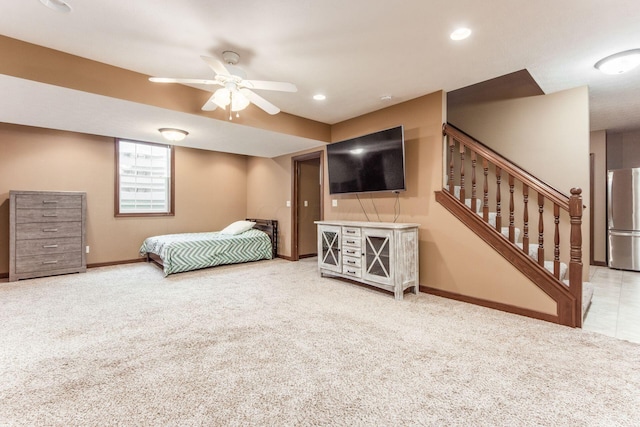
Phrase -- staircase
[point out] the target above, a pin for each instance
(556, 269)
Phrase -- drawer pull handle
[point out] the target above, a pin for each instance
(351, 262)
(49, 201)
(351, 271)
(50, 230)
(351, 242)
(49, 215)
(351, 252)
(50, 246)
(350, 231)
(49, 262)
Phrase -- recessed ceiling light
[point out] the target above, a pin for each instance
(319, 97)
(620, 62)
(57, 5)
(460, 34)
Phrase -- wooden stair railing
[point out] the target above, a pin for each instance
(569, 300)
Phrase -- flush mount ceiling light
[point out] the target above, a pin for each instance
(619, 63)
(173, 135)
(319, 97)
(57, 5)
(460, 34)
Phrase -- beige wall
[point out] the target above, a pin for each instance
(546, 135)
(210, 188)
(615, 151)
(623, 150)
(598, 148)
(452, 258)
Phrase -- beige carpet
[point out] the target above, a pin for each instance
(273, 344)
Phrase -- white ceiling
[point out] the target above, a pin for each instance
(353, 51)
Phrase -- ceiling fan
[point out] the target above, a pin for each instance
(236, 91)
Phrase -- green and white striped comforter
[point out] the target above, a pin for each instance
(191, 251)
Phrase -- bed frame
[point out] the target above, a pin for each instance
(269, 226)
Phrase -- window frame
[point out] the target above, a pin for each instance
(171, 211)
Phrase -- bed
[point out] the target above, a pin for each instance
(237, 243)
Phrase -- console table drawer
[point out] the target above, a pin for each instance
(48, 230)
(350, 261)
(354, 242)
(48, 246)
(351, 231)
(48, 262)
(44, 200)
(352, 271)
(351, 251)
(24, 216)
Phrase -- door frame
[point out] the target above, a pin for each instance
(295, 175)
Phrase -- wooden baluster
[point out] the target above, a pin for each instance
(485, 198)
(512, 228)
(525, 228)
(474, 203)
(498, 207)
(451, 183)
(462, 195)
(540, 230)
(556, 241)
(575, 265)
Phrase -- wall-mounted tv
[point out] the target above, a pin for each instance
(368, 163)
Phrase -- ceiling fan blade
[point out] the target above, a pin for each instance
(260, 101)
(269, 85)
(217, 66)
(184, 81)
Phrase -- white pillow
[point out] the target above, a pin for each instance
(238, 227)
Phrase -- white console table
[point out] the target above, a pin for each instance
(381, 254)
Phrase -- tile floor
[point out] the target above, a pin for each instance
(615, 307)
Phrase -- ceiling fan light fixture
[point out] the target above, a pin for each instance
(57, 5)
(172, 134)
(238, 101)
(620, 62)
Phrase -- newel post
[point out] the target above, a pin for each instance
(575, 264)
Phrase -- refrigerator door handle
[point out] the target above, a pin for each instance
(625, 233)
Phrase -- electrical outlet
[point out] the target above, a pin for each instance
(306, 203)
(87, 250)
(334, 203)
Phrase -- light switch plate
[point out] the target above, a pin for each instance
(334, 203)
(288, 203)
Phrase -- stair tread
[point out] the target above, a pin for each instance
(587, 295)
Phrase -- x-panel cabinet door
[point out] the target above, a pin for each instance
(329, 247)
(378, 255)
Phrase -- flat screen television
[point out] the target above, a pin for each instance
(368, 163)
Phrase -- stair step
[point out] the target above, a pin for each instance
(587, 295)
(478, 205)
(548, 265)
(533, 250)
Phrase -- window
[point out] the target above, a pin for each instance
(144, 179)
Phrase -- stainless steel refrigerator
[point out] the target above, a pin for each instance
(623, 213)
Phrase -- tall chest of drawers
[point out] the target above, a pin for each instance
(46, 233)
